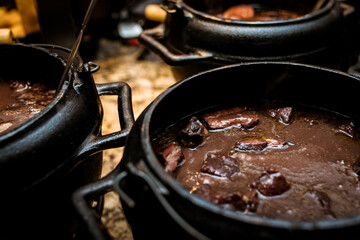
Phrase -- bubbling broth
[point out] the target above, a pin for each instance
(283, 162)
(20, 101)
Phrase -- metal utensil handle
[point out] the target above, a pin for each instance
(149, 39)
(76, 45)
(126, 117)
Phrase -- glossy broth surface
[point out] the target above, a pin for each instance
(20, 101)
(303, 168)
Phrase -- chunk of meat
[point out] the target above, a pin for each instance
(231, 117)
(194, 133)
(324, 200)
(347, 130)
(271, 183)
(253, 144)
(238, 201)
(356, 166)
(225, 112)
(171, 154)
(204, 191)
(283, 115)
(251, 200)
(220, 165)
(4, 126)
(239, 12)
(232, 201)
(278, 144)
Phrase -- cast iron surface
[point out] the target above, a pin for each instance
(44, 160)
(194, 34)
(248, 83)
(147, 191)
(242, 39)
(44, 144)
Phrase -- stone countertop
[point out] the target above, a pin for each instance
(147, 76)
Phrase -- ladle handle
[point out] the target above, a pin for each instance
(76, 45)
(149, 38)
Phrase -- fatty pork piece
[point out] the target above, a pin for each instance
(172, 154)
(283, 115)
(348, 130)
(254, 144)
(239, 12)
(237, 116)
(194, 133)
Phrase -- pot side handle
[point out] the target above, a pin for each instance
(126, 117)
(83, 196)
(82, 200)
(159, 191)
(354, 70)
(347, 9)
(149, 38)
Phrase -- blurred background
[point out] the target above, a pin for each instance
(58, 22)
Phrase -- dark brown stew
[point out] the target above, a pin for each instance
(19, 101)
(248, 13)
(293, 163)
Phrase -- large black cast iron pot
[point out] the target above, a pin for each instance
(58, 150)
(156, 206)
(194, 38)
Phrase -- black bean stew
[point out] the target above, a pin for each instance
(19, 101)
(288, 162)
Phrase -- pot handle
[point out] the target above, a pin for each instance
(149, 38)
(355, 69)
(126, 117)
(82, 199)
(347, 9)
(159, 191)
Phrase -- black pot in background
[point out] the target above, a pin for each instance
(45, 159)
(156, 206)
(195, 39)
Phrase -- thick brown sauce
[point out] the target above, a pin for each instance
(316, 162)
(20, 101)
(248, 13)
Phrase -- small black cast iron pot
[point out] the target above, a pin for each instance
(156, 206)
(194, 38)
(45, 159)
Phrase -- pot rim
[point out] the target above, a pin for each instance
(60, 95)
(329, 5)
(155, 166)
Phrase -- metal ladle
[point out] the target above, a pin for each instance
(76, 45)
